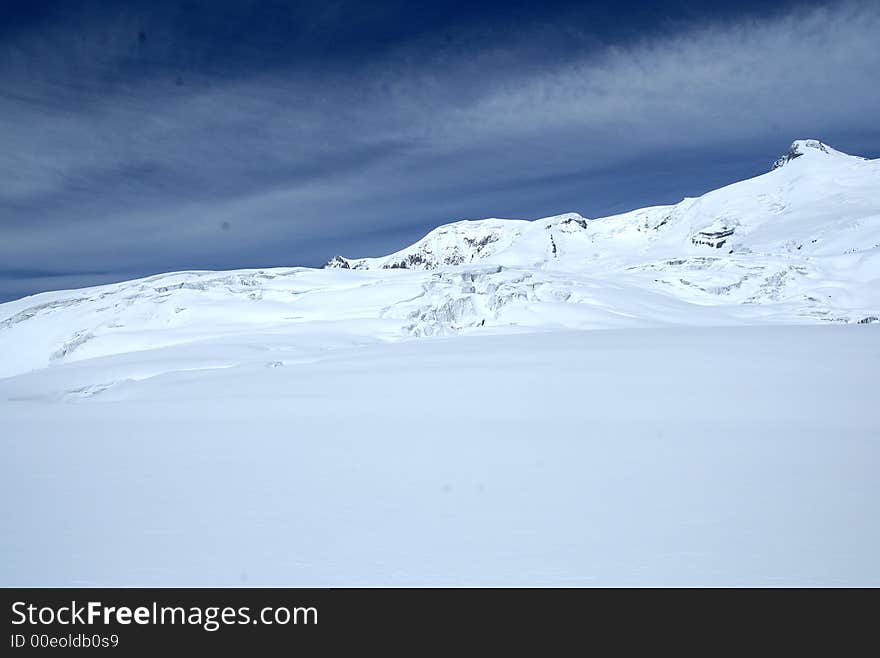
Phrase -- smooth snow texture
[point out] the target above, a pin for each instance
(442, 416)
(685, 456)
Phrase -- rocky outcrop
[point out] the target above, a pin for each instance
(337, 262)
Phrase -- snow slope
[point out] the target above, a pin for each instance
(444, 416)
(682, 456)
(815, 202)
(800, 244)
(806, 234)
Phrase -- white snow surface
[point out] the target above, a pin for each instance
(444, 415)
(800, 244)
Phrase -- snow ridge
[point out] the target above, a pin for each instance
(798, 244)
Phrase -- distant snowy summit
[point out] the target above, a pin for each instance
(798, 244)
(459, 243)
(806, 206)
(801, 147)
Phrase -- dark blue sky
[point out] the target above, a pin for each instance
(147, 136)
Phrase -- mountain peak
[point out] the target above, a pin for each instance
(798, 148)
(809, 147)
(338, 263)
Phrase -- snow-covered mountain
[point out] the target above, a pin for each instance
(798, 244)
(815, 202)
(458, 243)
(290, 426)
